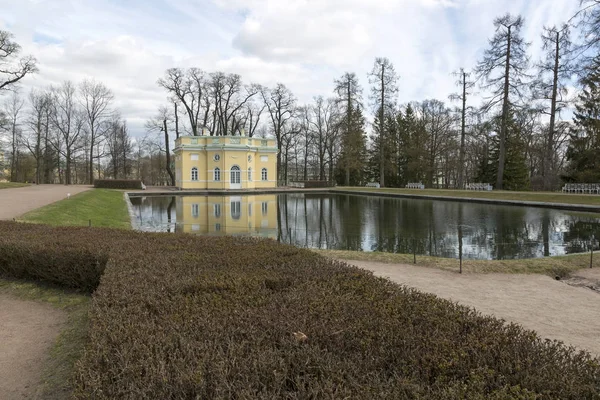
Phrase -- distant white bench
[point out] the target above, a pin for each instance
(373, 185)
(588, 188)
(415, 185)
(478, 186)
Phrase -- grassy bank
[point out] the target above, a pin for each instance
(553, 266)
(9, 185)
(547, 197)
(104, 207)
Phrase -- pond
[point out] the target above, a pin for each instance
(366, 223)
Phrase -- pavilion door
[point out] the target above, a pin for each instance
(235, 180)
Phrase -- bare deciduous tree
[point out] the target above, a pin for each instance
(39, 102)
(503, 67)
(230, 96)
(96, 100)
(68, 120)
(281, 105)
(12, 110)
(158, 124)
(13, 68)
(120, 148)
(555, 70)
(190, 88)
(465, 85)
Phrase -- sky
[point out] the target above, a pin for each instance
(304, 44)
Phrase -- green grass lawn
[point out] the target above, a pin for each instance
(104, 207)
(554, 266)
(548, 197)
(9, 185)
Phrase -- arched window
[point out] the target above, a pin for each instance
(263, 174)
(249, 174)
(217, 174)
(194, 174)
(235, 174)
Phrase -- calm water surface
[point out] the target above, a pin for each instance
(347, 222)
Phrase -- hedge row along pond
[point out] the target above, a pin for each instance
(187, 317)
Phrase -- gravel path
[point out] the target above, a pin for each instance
(537, 302)
(17, 201)
(27, 328)
(27, 331)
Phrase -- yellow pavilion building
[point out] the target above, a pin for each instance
(254, 215)
(225, 162)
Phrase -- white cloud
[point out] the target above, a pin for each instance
(305, 44)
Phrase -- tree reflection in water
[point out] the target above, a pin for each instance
(438, 228)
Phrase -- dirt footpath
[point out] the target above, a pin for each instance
(27, 331)
(27, 328)
(17, 201)
(537, 302)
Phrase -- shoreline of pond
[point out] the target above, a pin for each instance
(540, 204)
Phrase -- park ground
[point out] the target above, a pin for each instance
(48, 325)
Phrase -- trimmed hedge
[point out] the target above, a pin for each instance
(118, 184)
(184, 317)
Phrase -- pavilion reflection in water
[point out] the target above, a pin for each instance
(254, 215)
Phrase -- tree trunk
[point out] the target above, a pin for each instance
(38, 156)
(279, 172)
(91, 163)
(285, 175)
(306, 162)
(321, 166)
(124, 145)
(505, 110)
(68, 165)
(548, 162)
(331, 177)
(348, 130)
(168, 152)
(382, 131)
(461, 162)
(177, 123)
(91, 160)
(98, 158)
(14, 155)
(115, 162)
(47, 155)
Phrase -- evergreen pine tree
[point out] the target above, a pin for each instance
(390, 149)
(584, 146)
(516, 175)
(353, 157)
